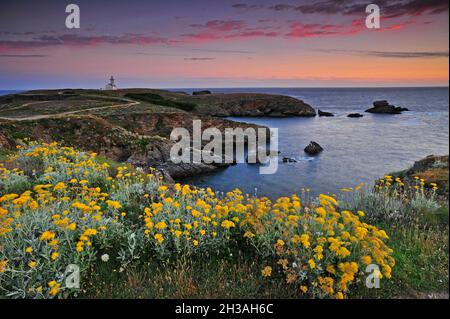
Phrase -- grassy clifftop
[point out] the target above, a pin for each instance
(209, 104)
(133, 124)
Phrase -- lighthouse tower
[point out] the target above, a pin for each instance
(111, 85)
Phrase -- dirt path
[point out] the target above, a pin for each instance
(46, 116)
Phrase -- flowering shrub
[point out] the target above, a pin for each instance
(320, 249)
(74, 212)
(399, 200)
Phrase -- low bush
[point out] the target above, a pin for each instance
(75, 213)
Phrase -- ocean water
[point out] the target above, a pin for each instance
(356, 150)
(6, 92)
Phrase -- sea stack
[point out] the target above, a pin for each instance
(383, 107)
(313, 148)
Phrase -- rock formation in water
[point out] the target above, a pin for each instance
(355, 115)
(313, 148)
(383, 107)
(326, 114)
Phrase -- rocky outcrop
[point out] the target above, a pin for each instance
(429, 162)
(223, 105)
(162, 124)
(289, 160)
(137, 129)
(355, 115)
(432, 169)
(6, 143)
(313, 148)
(326, 114)
(251, 105)
(85, 132)
(204, 92)
(93, 133)
(156, 154)
(383, 107)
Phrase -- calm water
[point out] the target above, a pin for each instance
(6, 92)
(356, 150)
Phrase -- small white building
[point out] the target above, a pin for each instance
(111, 85)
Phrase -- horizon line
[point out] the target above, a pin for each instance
(240, 87)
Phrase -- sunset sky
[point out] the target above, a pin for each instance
(226, 43)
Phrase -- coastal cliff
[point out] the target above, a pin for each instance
(132, 125)
(252, 105)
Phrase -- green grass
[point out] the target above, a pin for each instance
(4, 154)
(421, 256)
(420, 245)
(110, 162)
(159, 100)
(421, 251)
(419, 236)
(234, 277)
(20, 135)
(422, 259)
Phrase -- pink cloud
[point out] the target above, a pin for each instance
(214, 30)
(391, 8)
(226, 30)
(222, 25)
(215, 36)
(79, 41)
(201, 37)
(301, 30)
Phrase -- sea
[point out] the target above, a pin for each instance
(356, 150)
(6, 92)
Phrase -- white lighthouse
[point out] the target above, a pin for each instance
(111, 85)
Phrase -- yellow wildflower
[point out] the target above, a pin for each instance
(47, 235)
(159, 238)
(267, 271)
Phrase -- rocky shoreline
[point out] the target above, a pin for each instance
(432, 169)
(139, 144)
(254, 105)
(138, 132)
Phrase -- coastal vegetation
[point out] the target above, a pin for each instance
(129, 130)
(159, 100)
(133, 235)
(134, 232)
(413, 210)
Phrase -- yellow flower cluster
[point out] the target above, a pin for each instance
(64, 216)
(52, 225)
(333, 246)
(389, 183)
